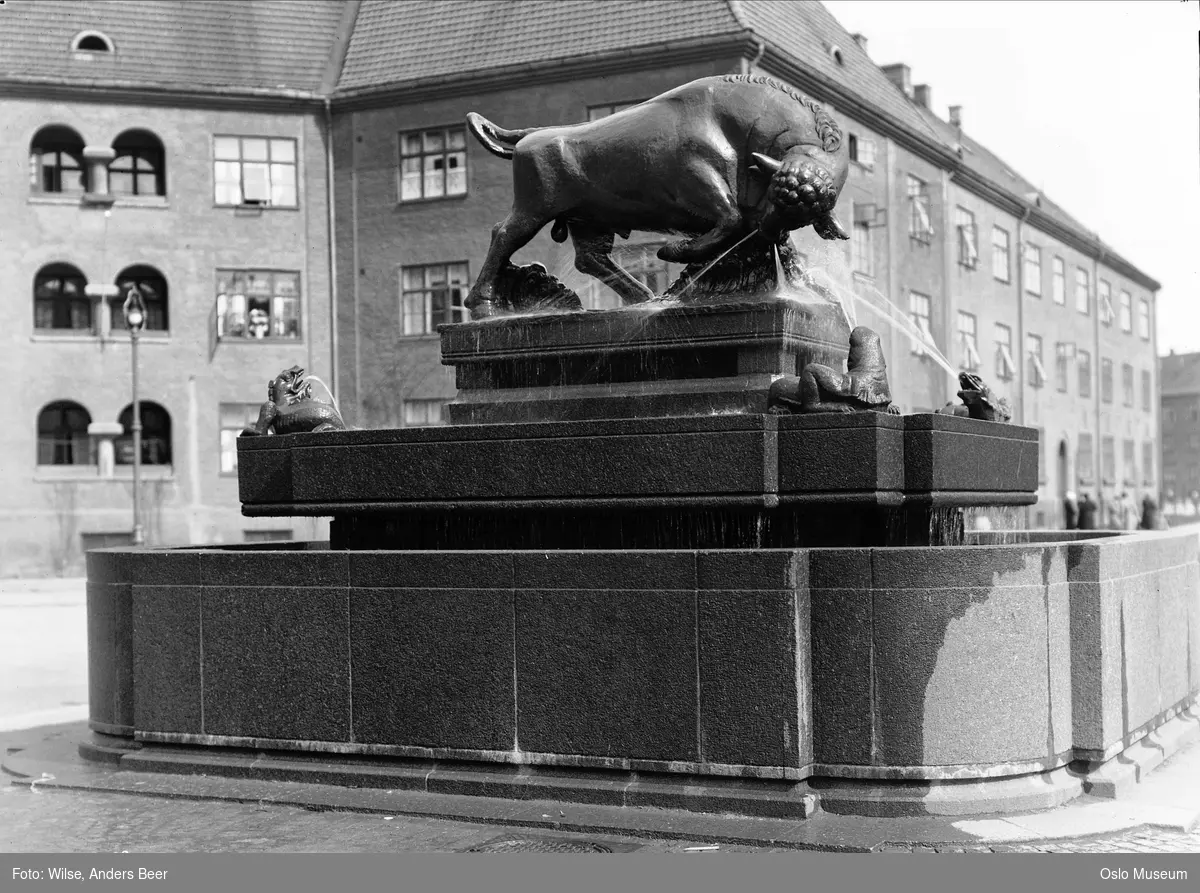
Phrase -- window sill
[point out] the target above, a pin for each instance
(157, 202)
(90, 474)
(1007, 281)
(868, 278)
(64, 336)
(431, 200)
(421, 336)
(970, 267)
(279, 342)
(154, 337)
(56, 198)
(148, 473)
(254, 210)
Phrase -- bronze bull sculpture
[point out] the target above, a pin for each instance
(715, 160)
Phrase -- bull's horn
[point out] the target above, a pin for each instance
(829, 227)
(766, 163)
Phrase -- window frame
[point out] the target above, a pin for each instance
(1147, 390)
(1031, 257)
(157, 301)
(1007, 254)
(445, 133)
(57, 144)
(425, 403)
(1143, 319)
(1062, 367)
(1037, 368)
(920, 219)
(269, 163)
(252, 410)
(862, 249)
(1108, 459)
(923, 321)
(63, 272)
(1106, 380)
(450, 304)
(1058, 280)
(1083, 288)
(968, 341)
(230, 274)
(147, 439)
(1104, 302)
(1085, 472)
(968, 238)
(1128, 394)
(1083, 362)
(72, 441)
(1125, 311)
(1006, 367)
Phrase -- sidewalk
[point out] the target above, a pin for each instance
(52, 801)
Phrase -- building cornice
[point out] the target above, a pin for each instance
(124, 93)
(535, 73)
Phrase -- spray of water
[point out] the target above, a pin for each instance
(720, 257)
(332, 399)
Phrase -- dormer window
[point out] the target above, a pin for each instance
(87, 42)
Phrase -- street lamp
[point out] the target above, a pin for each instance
(135, 318)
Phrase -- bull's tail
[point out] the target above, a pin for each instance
(495, 139)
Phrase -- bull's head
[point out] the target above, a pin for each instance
(803, 190)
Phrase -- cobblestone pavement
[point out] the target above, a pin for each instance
(82, 821)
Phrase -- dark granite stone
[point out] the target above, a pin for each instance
(108, 565)
(431, 570)
(969, 566)
(742, 569)
(433, 667)
(650, 570)
(755, 677)
(944, 456)
(840, 568)
(285, 567)
(1095, 637)
(166, 659)
(110, 655)
(264, 475)
(1141, 650)
(277, 663)
(1061, 705)
(841, 459)
(607, 673)
(842, 665)
(1172, 620)
(163, 567)
(1191, 593)
(961, 675)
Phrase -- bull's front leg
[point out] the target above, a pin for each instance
(593, 257)
(705, 191)
(509, 236)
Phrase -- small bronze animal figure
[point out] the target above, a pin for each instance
(714, 160)
(292, 409)
(863, 388)
(981, 402)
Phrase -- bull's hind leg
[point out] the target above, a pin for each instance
(509, 236)
(593, 256)
(706, 192)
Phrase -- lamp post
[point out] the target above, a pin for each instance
(135, 318)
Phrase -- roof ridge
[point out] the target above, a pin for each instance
(735, 10)
(341, 44)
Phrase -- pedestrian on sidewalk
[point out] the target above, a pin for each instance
(1088, 510)
(1070, 511)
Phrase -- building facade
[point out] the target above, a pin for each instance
(142, 148)
(1180, 376)
(308, 194)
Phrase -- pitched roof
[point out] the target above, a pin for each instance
(264, 45)
(395, 41)
(1179, 374)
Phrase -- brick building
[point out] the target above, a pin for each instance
(1180, 376)
(213, 152)
(1002, 279)
(181, 146)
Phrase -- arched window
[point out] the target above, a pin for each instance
(156, 435)
(138, 168)
(63, 435)
(59, 299)
(153, 287)
(56, 161)
(91, 42)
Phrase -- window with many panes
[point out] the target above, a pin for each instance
(968, 241)
(641, 261)
(433, 163)
(1148, 463)
(596, 112)
(1104, 302)
(1130, 464)
(153, 288)
(60, 299)
(431, 295)
(1058, 281)
(138, 166)
(424, 412)
(1000, 251)
(920, 309)
(1106, 380)
(1147, 390)
(920, 225)
(1033, 269)
(233, 417)
(1084, 360)
(1062, 366)
(1144, 319)
(1005, 367)
(56, 161)
(1127, 384)
(1126, 311)
(258, 305)
(1033, 350)
(862, 151)
(62, 435)
(863, 248)
(255, 171)
(1108, 460)
(1085, 459)
(968, 341)
(1083, 297)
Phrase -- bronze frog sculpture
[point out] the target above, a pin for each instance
(292, 409)
(978, 401)
(863, 388)
(715, 161)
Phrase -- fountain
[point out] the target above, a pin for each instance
(683, 554)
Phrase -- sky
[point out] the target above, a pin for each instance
(1095, 101)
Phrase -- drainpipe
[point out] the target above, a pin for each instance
(748, 64)
(331, 223)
